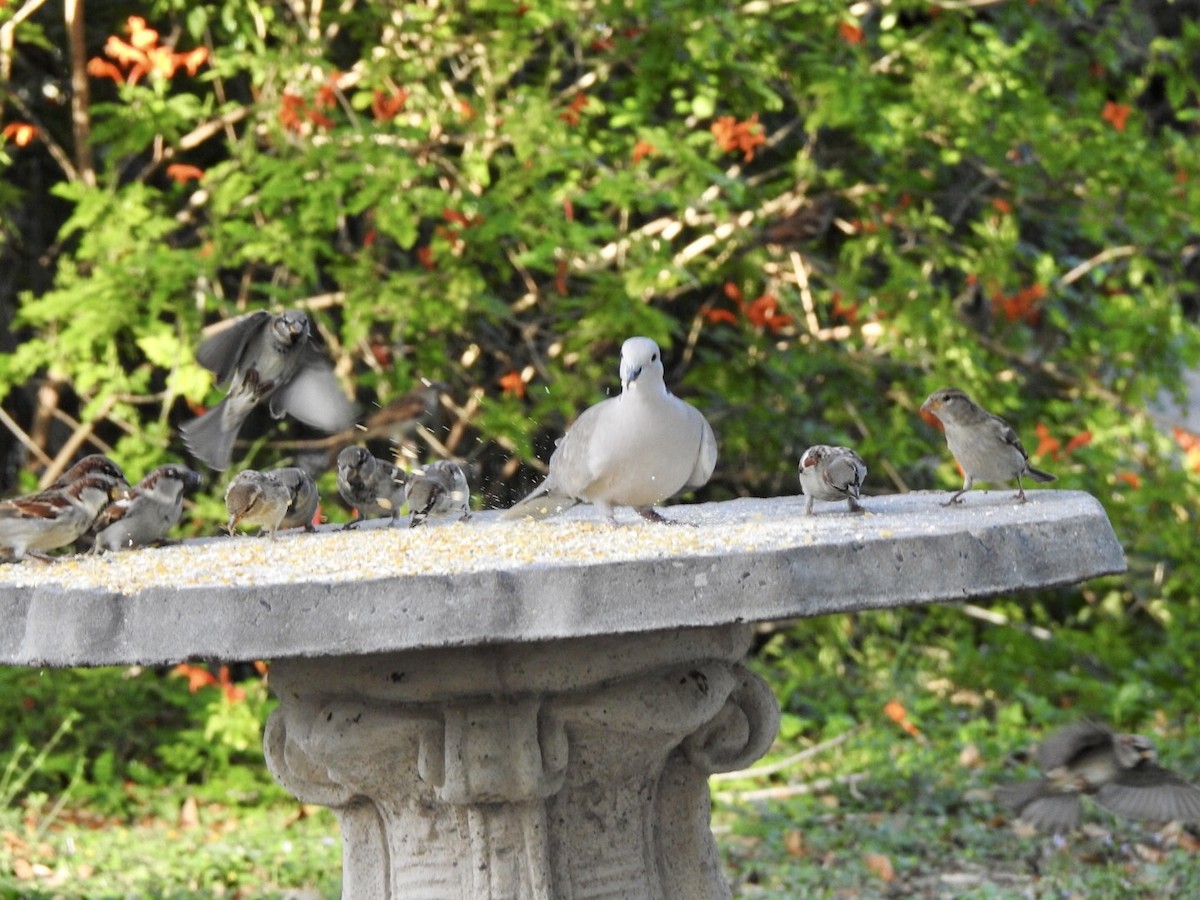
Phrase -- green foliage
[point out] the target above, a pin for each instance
(823, 217)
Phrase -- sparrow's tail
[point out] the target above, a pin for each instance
(542, 502)
(209, 440)
(1038, 474)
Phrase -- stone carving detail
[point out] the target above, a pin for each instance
(513, 789)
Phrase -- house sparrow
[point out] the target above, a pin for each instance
(265, 358)
(831, 473)
(984, 445)
(437, 489)
(373, 487)
(257, 498)
(1119, 771)
(95, 464)
(54, 517)
(636, 450)
(302, 498)
(147, 512)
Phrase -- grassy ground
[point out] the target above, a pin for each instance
(821, 828)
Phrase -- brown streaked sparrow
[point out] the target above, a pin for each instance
(256, 498)
(1119, 771)
(94, 464)
(373, 487)
(437, 489)
(983, 444)
(147, 512)
(831, 473)
(54, 517)
(302, 498)
(265, 358)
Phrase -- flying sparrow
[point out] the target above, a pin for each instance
(984, 445)
(257, 498)
(302, 498)
(54, 517)
(265, 358)
(1119, 771)
(831, 473)
(372, 487)
(147, 512)
(437, 489)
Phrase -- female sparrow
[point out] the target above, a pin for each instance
(256, 498)
(372, 487)
(831, 473)
(437, 489)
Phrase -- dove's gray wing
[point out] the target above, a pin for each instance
(706, 454)
(572, 470)
(221, 353)
(314, 396)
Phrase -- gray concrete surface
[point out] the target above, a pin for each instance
(481, 582)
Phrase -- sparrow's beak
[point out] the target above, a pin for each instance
(931, 405)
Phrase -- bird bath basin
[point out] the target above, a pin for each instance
(532, 709)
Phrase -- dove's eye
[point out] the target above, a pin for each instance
(653, 357)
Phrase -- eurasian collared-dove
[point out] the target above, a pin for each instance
(635, 450)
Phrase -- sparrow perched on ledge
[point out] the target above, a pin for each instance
(373, 487)
(265, 358)
(1119, 771)
(831, 473)
(95, 464)
(55, 517)
(984, 444)
(148, 511)
(257, 498)
(437, 489)
(302, 498)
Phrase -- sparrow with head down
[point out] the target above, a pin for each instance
(438, 489)
(257, 498)
(147, 512)
(831, 473)
(372, 487)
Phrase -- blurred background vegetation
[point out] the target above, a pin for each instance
(821, 211)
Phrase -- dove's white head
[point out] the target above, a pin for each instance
(641, 363)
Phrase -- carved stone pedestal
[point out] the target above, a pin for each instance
(565, 769)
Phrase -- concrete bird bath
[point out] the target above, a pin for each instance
(532, 709)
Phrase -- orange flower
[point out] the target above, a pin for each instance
(102, 68)
(895, 711)
(1115, 114)
(560, 277)
(320, 119)
(764, 312)
(574, 111)
(197, 676)
(850, 33)
(140, 36)
(1020, 305)
(466, 110)
(193, 59)
(713, 316)
(425, 257)
(512, 384)
(327, 93)
(568, 209)
(1048, 445)
(1080, 440)
(848, 312)
(641, 150)
(1001, 205)
(1130, 478)
(732, 135)
(291, 111)
(182, 173)
(385, 107)
(20, 133)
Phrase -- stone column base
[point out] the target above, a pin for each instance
(566, 769)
